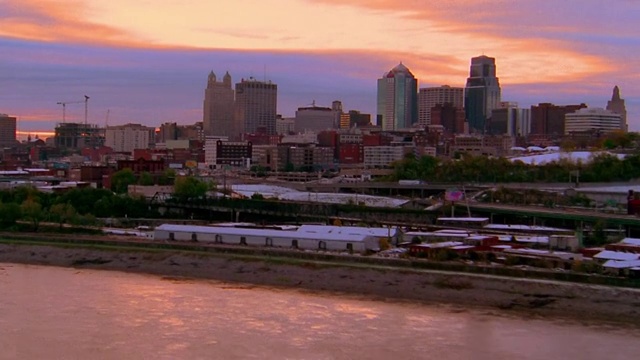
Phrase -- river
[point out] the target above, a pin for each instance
(65, 313)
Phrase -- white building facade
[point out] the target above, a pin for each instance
(589, 119)
(126, 138)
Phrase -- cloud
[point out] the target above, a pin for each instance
(147, 60)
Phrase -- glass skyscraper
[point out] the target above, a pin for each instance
(482, 93)
(397, 99)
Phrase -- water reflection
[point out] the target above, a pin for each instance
(65, 313)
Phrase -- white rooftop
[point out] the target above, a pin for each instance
(630, 241)
(439, 245)
(351, 230)
(525, 239)
(522, 227)
(283, 193)
(616, 255)
(625, 264)
(575, 156)
(462, 219)
(329, 233)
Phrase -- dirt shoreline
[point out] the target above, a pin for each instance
(534, 297)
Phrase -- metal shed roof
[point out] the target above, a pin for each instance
(217, 230)
(350, 230)
(616, 255)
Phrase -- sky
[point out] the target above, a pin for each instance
(147, 61)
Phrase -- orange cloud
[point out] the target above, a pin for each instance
(61, 21)
(421, 34)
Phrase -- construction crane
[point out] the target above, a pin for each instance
(64, 108)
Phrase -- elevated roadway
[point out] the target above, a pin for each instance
(577, 215)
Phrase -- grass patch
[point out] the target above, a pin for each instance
(453, 284)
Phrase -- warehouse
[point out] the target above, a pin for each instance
(332, 238)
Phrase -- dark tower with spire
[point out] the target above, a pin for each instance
(616, 105)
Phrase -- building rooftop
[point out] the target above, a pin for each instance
(328, 232)
(616, 255)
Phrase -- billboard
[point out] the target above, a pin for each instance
(453, 195)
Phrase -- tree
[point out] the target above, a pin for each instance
(32, 210)
(63, 213)
(9, 213)
(121, 180)
(145, 179)
(187, 188)
(85, 200)
(167, 178)
(289, 167)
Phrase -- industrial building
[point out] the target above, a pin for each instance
(332, 238)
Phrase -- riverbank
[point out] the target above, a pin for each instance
(535, 297)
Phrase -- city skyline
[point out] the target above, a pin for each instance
(150, 68)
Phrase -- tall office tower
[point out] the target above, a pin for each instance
(256, 104)
(397, 99)
(7, 130)
(218, 107)
(432, 96)
(616, 105)
(482, 93)
(548, 119)
(336, 106)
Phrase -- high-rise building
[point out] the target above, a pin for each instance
(450, 117)
(432, 96)
(616, 105)
(592, 119)
(397, 99)
(168, 131)
(509, 119)
(315, 118)
(285, 126)
(78, 135)
(7, 130)
(482, 93)
(218, 107)
(354, 118)
(126, 138)
(548, 119)
(336, 106)
(256, 106)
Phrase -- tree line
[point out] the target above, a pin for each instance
(602, 167)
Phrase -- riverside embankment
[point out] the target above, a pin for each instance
(535, 296)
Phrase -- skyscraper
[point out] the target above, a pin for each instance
(616, 105)
(432, 96)
(397, 99)
(218, 107)
(482, 93)
(7, 130)
(256, 106)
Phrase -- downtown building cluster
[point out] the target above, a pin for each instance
(241, 129)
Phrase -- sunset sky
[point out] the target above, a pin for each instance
(147, 61)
